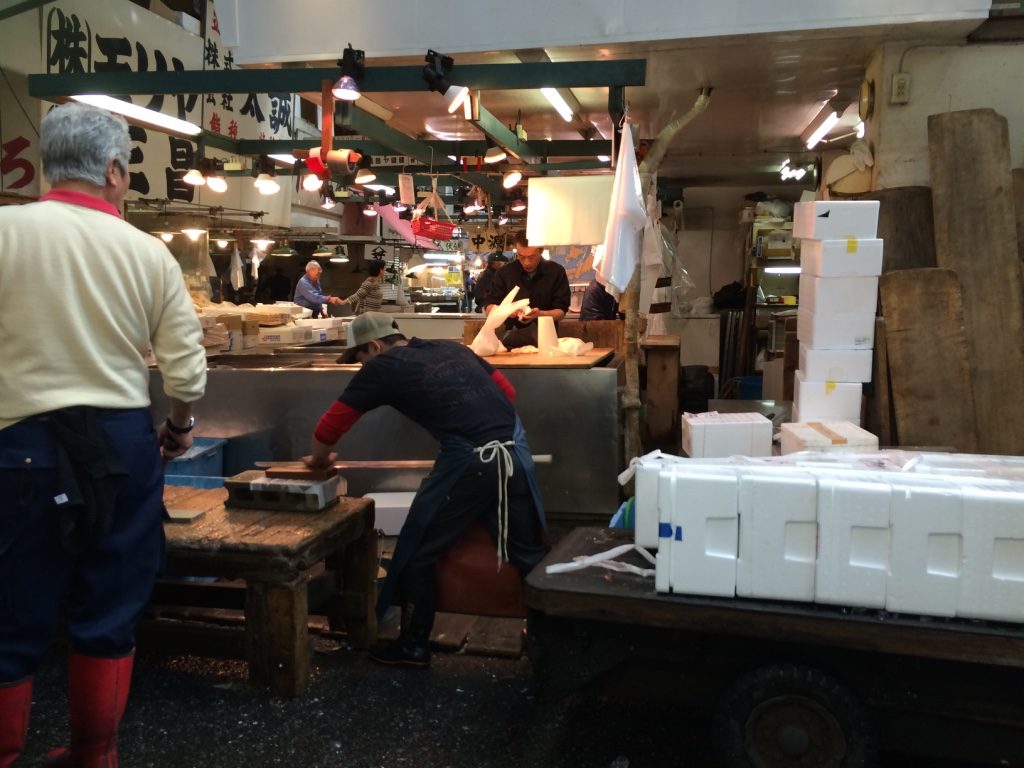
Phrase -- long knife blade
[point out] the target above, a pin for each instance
(543, 458)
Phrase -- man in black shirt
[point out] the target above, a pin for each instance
(484, 470)
(541, 281)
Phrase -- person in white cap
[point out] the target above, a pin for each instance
(484, 470)
(308, 293)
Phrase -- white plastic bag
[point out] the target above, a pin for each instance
(486, 342)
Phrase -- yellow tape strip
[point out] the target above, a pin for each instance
(851, 245)
(830, 387)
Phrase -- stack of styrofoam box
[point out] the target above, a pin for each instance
(840, 261)
(717, 435)
(863, 530)
(826, 436)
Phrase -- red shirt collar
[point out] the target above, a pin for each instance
(83, 199)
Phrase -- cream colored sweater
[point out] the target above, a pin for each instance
(83, 296)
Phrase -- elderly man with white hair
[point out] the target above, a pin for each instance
(81, 477)
(308, 293)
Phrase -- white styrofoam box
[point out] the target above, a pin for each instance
(992, 586)
(250, 341)
(927, 547)
(838, 295)
(778, 535)
(285, 334)
(835, 219)
(662, 571)
(853, 542)
(826, 400)
(835, 364)
(852, 257)
(835, 330)
(826, 436)
(320, 322)
(206, 321)
(704, 529)
(646, 487)
(712, 435)
(390, 508)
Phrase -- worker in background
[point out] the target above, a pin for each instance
(308, 293)
(81, 477)
(597, 303)
(468, 286)
(495, 261)
(541, 281)
(370, 296)
(483, 472)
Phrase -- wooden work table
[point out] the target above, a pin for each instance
(274, 553)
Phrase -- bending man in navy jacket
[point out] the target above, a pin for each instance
(484, 469)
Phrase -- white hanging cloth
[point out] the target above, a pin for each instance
(256, 257)
(237, 271)
(626, 217)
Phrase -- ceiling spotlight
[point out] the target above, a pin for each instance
(263, 170)
(311, 182)
(262, 242)
(436, 74)
(518, 205)
(399, 206)
(352, 63)
(207, 172)
(222, 238)
(511, 178)
(502, 219)
(822, 123)
(369, 210)
(327, 200)
(365, 174)
(284, 250)
(494, 153)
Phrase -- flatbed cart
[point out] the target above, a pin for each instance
(789, 684)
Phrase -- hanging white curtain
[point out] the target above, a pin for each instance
(626, 217)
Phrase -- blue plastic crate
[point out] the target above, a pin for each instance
(205, 457)
(194, 481)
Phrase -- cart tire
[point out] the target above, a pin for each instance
(789, 716)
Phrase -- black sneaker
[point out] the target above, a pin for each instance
(401, 654)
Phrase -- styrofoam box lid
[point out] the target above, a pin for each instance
(713, 417)
(817, 433)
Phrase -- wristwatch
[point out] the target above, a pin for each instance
(181, 430)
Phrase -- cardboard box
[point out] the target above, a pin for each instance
(287, 334)
(836, 331)
(835, 364)
(251, 327)
(717, 435)
(320, 322)
(835, 219)
(826, 400)
(826, 437)
(838, 295)
(232, 321)
(841, 258)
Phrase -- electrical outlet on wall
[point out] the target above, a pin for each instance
(900, 93)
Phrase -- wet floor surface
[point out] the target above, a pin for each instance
(466, 711)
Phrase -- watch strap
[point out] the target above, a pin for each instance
(181, 430)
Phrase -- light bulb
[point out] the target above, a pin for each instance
(194, 177)
(222, 243)
(217, 184)
(193, 233)
(312, 182)
(511, 178)
(167, 236)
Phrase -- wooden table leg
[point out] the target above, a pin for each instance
(277, 635)
(359, 589)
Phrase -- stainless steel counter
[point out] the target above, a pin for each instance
(268, 406)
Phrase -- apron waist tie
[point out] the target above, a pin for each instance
(497, 451)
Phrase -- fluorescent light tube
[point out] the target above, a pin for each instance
(140, 114)
(558, 103)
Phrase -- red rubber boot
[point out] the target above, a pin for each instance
(15, 703)
(99, 691)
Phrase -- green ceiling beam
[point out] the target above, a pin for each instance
(365, 124)
(17, 8)
(568, 74)
(493, 127)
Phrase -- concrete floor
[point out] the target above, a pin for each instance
(466, 711)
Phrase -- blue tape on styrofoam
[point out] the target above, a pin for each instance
(664, 530)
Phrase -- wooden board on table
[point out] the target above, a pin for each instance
(537, 360)
(976, 236)
(932, 397)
